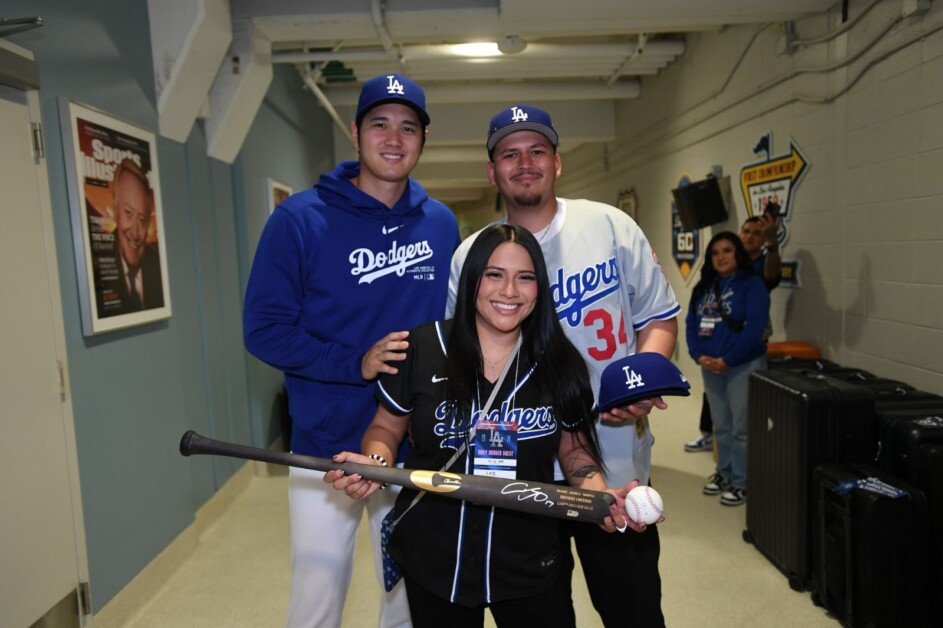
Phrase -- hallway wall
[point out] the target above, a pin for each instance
(867, 217)
(135, 391)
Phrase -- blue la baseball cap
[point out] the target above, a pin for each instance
(640, 376)
(391, 88)
(520, 118)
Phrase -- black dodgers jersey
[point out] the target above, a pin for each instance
(467, 553)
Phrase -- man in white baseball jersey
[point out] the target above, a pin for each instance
(613, 300)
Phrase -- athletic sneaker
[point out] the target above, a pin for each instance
(734, 497)
(704, 443)
(716, 485)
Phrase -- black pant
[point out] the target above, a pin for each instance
(551, 609)
(621, 571)
(707, 423)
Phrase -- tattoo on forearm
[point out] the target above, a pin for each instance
(586, 471)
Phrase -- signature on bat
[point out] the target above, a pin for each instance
(524, 492)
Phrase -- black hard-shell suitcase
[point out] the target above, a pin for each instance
(871, 566)
(883, 385)
(791, 362)
(901, 431)
(930, 472)
(796, 422)
(851, 374)
(902, 398)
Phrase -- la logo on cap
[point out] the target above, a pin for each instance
(517, 115)
(394, 86)
(632, 379)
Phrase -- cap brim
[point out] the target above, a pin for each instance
(503, 132)
(423, 116)
(626, 400)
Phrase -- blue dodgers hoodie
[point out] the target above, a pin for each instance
(335, 271)
(744, 298)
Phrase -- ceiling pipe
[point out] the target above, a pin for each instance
(312, 84)
(376, 12)
(547, 73)
(506, 92)
(639, 49)
(668, 48)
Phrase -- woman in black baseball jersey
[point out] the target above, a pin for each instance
(500, 391)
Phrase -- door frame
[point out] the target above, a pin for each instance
(24, 77)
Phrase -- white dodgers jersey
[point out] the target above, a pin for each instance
(606, 284)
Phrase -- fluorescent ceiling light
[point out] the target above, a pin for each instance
(482, 49)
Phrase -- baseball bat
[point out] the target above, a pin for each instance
(537, 498)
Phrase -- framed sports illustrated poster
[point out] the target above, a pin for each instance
(277, 192)
(117, 220)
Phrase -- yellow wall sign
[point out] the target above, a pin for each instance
(774, 179)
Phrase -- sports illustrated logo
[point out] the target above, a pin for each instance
(371, 265)
(517, 115)
(394, 86)
(576, 292)
(632, 379)
(387, 231)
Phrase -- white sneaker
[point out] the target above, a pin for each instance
(734, 497)
(704, 443)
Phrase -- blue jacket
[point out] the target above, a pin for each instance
(744, 298)
(335, 271)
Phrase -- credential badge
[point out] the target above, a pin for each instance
(394, 86)
(517, 115)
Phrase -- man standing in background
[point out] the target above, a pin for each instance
(613, 300)
(361, 256)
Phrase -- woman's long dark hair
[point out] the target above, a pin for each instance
(709, 273)
(561, 373)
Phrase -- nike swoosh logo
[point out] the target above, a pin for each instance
(436, 380)
(389, 230)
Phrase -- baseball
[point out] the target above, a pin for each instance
(643, 504)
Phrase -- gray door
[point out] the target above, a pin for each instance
(42, 539)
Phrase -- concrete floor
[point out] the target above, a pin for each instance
(238, 573)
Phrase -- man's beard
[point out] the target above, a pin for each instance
(527, 199)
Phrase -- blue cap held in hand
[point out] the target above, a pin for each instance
(391, 88)
(640, 376)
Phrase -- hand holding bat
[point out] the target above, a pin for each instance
(354, 486)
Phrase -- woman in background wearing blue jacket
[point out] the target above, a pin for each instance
(725, 324)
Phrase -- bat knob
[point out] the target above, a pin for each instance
(185, 443)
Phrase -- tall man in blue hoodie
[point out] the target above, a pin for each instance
(342, 270)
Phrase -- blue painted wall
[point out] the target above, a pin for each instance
(272, 149)
(136, 391)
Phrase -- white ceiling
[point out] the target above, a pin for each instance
(580, 58)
